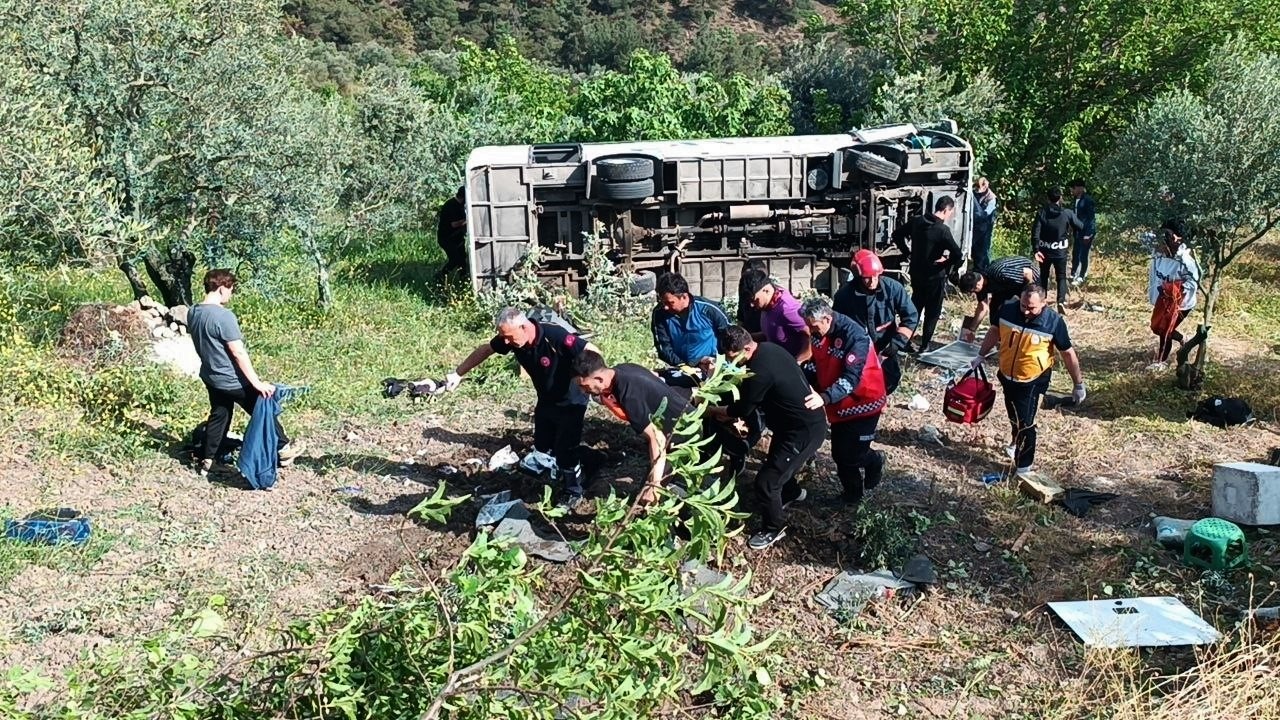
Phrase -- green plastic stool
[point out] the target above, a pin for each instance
(1215, 544)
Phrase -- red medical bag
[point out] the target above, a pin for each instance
(970, 399)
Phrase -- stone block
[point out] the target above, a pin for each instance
(1039, 487)
(1247, 493)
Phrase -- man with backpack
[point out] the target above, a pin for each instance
(845, 370)
(1028, 334)
(880, 304)
(1173, 283)
(1049, 240)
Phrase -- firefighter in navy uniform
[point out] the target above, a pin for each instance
(881, 305)
(546, 352)
(845, 370)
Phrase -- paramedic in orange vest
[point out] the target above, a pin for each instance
(1174, 282)
(1028, 334)
(845, 370)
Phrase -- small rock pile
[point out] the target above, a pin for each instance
(164, 322)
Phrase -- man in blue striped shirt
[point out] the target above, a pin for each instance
(684, 325)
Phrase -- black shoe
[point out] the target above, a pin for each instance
(800, 496)
(874, 470)
(851, 498)
(763, 539)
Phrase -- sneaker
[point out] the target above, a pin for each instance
(537, 463)
(762, 539)
(798, 498)
(571, 502)
(1024, 470)
(1077, 282)
(851, 498)
(1011, 451)
(289, 453)
(1060, 308)
(874, 471)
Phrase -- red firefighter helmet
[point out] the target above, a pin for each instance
(867, 264)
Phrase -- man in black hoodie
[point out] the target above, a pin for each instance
(1049, 234)
(934, 254)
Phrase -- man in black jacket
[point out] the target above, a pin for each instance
(792, 410)
(934, 254)
(1049, 233)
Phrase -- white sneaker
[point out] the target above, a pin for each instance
(1023, 470)
(1077, 282)
(1011, 451)
(538, 462)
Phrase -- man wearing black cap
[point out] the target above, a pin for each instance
(1084, 210)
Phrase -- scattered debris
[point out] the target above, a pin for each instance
(50, 526)
(918, 403)
(1135, 622)
(1039, 487)
(512, 519)
(848, 593)
(1265, 613)
(1094, 307)
(353, 436)
(349, 490)
(498, 507)
(918, 570)
(447, 471)
(1078, 502)
(503, 459)
(954, 357)
(1171, 532)
(1215, 544)
(930, 434)
(991, 478)
(982, 546)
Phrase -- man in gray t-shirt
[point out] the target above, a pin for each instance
(225, 367)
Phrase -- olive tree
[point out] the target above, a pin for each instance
(1211, 159)
(173, 111)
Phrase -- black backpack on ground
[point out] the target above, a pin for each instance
(1222, 412)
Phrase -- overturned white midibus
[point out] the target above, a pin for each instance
(801, 204)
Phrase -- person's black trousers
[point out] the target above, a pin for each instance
(927, 295)
(1021, 400)
(776, 482)
(1059, 265)
(1166, 343)
(455, 251)
(1080, 257)
(892, 369)
(851, 451)
(221, 406)
(557, 431)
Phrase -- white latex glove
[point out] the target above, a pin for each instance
(813, 401)
(1078, 394)
(452, 381)
(975, 362)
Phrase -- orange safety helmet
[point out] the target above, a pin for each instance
(867, 264)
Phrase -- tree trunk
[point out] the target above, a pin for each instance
(172, 274)
(136, 283)
(1191, 376)
(324, 292)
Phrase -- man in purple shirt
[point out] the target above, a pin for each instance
(780, 320)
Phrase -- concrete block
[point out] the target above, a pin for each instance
(1247, 493)
(1039, 487)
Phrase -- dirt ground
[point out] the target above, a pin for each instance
(979, 644)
